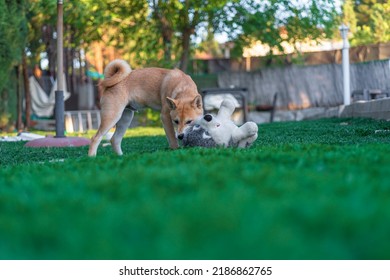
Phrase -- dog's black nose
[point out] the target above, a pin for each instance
(180, 136)
(208, 117)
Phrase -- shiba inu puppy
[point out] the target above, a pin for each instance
(124, 91)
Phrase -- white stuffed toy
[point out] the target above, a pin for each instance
(220, 130)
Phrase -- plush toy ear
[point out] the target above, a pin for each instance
(197, 102)
(172, 103)
(226, 109)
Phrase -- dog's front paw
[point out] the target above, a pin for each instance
(174, 146)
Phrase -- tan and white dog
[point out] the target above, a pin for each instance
(125, 91)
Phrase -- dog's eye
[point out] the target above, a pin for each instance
(176, 121)
(188, 122)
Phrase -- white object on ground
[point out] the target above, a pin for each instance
(23, 136)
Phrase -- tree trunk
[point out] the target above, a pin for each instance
(99, 64)
(165, 29)
(188, 29)
(19, 100)
(167, 49)
(97, 58)
(26, 92)
(185, 49)
(167, 32)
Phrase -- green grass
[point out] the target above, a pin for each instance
(304, 190)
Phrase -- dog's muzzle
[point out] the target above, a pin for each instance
(180, 136)
(208, 117)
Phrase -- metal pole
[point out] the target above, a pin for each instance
(345, 64)
(59, 94)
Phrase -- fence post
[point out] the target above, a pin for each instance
(59, 94)
(345, 64)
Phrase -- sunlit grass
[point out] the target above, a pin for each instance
(133, 132)
(304, 190)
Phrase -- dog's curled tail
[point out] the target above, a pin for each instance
(115, 72)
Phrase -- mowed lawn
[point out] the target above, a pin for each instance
(305, 190)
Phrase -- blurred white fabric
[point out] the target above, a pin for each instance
(42, 104)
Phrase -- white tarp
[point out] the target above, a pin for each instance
(23, 136)
(42, 105)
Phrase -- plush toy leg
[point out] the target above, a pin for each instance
(246, 130)
(246, 142)
(245, 134)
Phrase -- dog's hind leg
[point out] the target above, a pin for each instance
(121, 126)
(110, 115)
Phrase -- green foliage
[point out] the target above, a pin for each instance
(159, 33)
(275, 22)
(148, 117)
(369, 21)
(113, 22)
(305, 190)
(13, 30)
(170, 27)
(349, 15)
(4, 120)
(8, 99)
(209, 44)
(244, 20)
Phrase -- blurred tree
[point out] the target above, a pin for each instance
(171, 26)
(161, 32)
(13, 30)
(209, 45)
(156, 32)
(349, 16)
(369, 20)
(99, 30)
(276, 21)
(192, 14)
(13, 33)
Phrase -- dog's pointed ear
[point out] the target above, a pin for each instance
(172, 103)
(197, 102)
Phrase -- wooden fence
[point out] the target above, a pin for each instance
(357, 54)
(307, 86)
